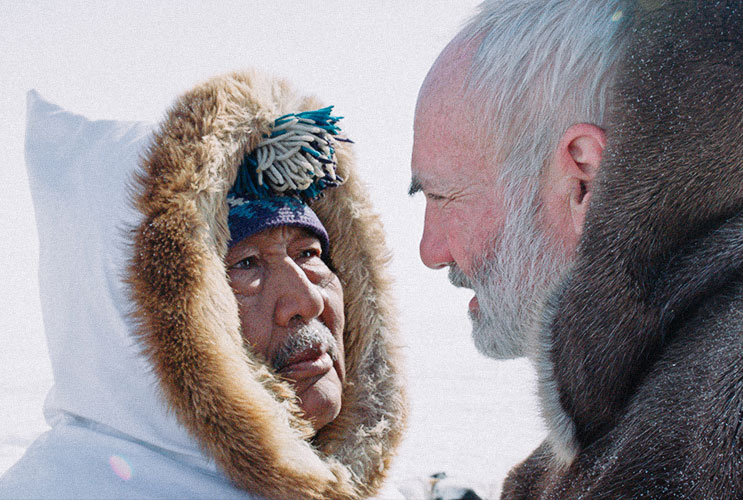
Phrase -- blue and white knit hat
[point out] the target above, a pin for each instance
(291, 166)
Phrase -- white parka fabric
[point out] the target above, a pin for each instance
(111, 434)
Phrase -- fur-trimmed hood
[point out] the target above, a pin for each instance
(238, 410)
(655, 288)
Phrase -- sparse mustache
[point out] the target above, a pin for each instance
(302, 336)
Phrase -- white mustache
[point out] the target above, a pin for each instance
(458, 278)
(303, 336)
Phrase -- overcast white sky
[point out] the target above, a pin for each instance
(128, 60)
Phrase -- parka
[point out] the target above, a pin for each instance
(156, 394)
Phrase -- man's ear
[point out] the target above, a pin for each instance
(578, 160)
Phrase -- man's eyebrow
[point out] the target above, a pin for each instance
(415, 186)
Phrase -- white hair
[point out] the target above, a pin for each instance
(540, 67)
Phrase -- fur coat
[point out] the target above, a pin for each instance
(640, 372)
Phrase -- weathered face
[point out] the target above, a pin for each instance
(487, 233)
(464, 202)
(465, 215)
(464, 206)
(291, 311)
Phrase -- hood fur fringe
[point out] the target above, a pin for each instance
(231, 402)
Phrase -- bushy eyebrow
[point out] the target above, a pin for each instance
(415, 186)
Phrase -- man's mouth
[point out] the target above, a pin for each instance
(474, 305)
(310, 362)
(461, 280)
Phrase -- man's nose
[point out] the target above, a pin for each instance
(434, 248)
(297, 296)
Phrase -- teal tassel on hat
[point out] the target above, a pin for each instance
(297, 158)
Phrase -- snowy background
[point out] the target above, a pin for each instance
(471, 417)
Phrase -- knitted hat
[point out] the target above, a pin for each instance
(290, 167)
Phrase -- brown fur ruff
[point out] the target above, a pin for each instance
(240, 413)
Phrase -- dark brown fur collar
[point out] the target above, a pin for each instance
(664, 228)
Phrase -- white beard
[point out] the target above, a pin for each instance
(511, 282)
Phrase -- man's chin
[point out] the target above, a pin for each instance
(495, 341)
(320, 398)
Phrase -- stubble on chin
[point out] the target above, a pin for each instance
(490, 339)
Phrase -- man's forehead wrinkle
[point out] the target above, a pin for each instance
(447, 130)
(444, 113)
(447, 155)
(445, 121)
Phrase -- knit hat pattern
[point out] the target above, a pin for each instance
(277, 180)
(249, 217)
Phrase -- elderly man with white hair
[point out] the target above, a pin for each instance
(581, 163)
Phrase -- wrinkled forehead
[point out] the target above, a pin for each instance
(450, 133)
(281, 234)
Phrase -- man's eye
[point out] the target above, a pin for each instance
(310, 252)
(246, 263)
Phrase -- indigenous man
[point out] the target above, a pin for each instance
(262, 362)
